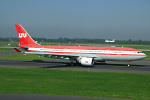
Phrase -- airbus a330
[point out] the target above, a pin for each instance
(84, 55)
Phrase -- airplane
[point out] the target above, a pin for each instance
(83, 55)
(110, 41)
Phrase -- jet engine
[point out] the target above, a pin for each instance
(86, 61)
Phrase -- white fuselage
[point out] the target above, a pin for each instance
(98, 55)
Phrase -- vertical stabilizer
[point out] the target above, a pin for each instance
(24, 37)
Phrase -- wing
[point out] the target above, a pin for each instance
(67, 56)
(55, 55)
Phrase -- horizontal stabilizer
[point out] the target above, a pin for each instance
(17, 50)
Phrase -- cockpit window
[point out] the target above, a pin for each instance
(139, 52)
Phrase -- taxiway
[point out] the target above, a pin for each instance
(141, 66)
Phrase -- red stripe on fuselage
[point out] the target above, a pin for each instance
(89, 53)
(90, 48)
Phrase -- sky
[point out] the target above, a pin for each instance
(91, 19)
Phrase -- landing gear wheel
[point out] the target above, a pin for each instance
(69, 64)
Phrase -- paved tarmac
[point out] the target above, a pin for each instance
(9, 52)
(46, 97)
(141, 66)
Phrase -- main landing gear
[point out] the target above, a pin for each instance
(69, 64)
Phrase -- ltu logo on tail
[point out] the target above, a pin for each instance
(22, 35)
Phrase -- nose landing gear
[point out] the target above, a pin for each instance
(129, 63)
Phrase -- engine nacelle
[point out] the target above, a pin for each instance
(86, 61)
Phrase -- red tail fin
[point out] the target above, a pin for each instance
(24, 37)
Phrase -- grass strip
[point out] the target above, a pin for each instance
(5, 49)
(75, 83)
(21, 56)
(147, 53)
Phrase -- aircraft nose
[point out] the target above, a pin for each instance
(144, 55)
(141, 56)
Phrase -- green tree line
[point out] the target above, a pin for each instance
(78, 40)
